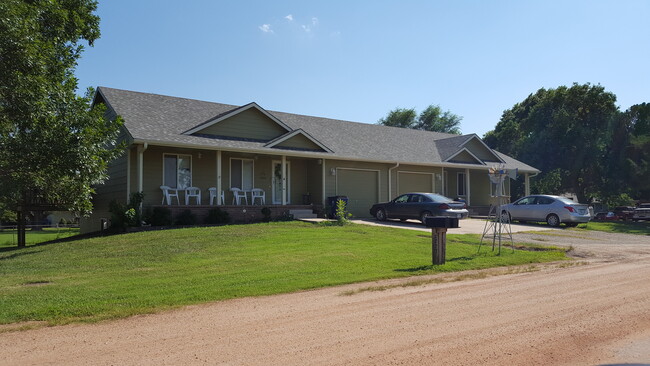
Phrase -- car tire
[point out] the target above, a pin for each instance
(423, 216)
(553, 220)
(505, 216)
(380, 215)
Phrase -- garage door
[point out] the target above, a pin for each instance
(415, 182)
(361, 187)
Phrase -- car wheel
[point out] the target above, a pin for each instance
(423, 216)
(553, 220)
(505, 216)
(380, 215)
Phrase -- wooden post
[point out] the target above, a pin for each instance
(438, 245)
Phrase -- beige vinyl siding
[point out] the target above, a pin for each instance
(299, 142)
(464, 157)
(480, 151)
(249, 124)
(479, 188)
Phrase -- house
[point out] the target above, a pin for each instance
(297, 160)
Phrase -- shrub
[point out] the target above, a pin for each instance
(161, 216)
(123, 216)
(186, 218)
(267, 214)
(217, 216)
(342, 215)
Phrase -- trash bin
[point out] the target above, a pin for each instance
(331, 203)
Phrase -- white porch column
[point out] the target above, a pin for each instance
(468, 193)
(323, 172)
(128, 174)
(442, 182)
(284, 180)
(141, 150)
(527, 184)
(219, 178)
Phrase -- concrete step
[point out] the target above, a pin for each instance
(303, 214)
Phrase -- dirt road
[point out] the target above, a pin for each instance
(586, 314)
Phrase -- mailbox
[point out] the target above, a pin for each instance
(440, 222)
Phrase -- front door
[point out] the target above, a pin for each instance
(276, 182)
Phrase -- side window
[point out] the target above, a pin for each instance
(460, 182)
(402, 199)
(415, 198)
(177, 171)
(526, 201)
(544, 201)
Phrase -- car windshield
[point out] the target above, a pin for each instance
(438, 198)
(566, 200)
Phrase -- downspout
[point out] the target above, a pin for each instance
(141, 150)
(390, 181)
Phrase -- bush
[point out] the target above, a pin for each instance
(123, 216)
(267, 214)
(217, 216)
(342, 215)
(161, 216)
(186, 218)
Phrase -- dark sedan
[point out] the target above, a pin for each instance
(418, 206)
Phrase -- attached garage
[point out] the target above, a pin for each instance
(361, 187)
(414, 182)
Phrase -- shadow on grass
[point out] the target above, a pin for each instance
(19, 254)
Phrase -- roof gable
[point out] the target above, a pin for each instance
(298, 140)
(247, 122)
(479, 149)
(465, 156)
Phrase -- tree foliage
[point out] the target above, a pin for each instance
(52, 144)
(580, 141)
(433, 118)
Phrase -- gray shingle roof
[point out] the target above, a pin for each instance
(163, 119)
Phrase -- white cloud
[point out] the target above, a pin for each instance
(266, 28)
(314, 21)
(289, 17)
(306, 28)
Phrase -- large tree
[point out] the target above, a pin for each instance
(563, 131)
(53, 146)
(433, 118)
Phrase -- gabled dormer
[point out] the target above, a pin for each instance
(467, 149)
(298, 140)
(249, 122)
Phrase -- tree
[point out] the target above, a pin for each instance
(53, 146)
(565, 130)
(430, 119)
(434, 119)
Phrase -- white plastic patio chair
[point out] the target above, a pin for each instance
(168, 193)
(258, 193)
(237, 195)
(192, 192)
(213, 195)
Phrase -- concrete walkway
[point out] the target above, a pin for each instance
(467, 226)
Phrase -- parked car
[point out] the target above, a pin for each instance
(418, 206)
(554, 210)
(606, 216)
(642, 212)
(624, 212)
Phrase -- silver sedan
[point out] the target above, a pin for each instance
(554, 210)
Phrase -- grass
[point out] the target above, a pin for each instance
(625, 227)
(9, 238)
(102, 278)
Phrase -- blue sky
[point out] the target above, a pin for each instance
(357, 60)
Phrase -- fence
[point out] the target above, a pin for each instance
(36, 233)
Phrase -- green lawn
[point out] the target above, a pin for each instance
(122, 275)
(626, 227)
(8, 238)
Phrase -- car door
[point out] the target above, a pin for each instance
(543, 206)
(523, 208)
(398, 207)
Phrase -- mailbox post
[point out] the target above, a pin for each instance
(439, 226)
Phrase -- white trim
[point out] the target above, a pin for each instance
(390, 181)
(293, 133)
(336, 187)
(128, 174)
(278, 200)
(469, 191)
(323, 175)
(284, 180)
(469, 152)
(475, 137)
(316, 155)
(177, 155)
(242, 172)
(235, 112)
(433, 177)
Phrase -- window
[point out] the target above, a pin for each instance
(241, 174)
(177, 171)
(460, 182)
(402, 199)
